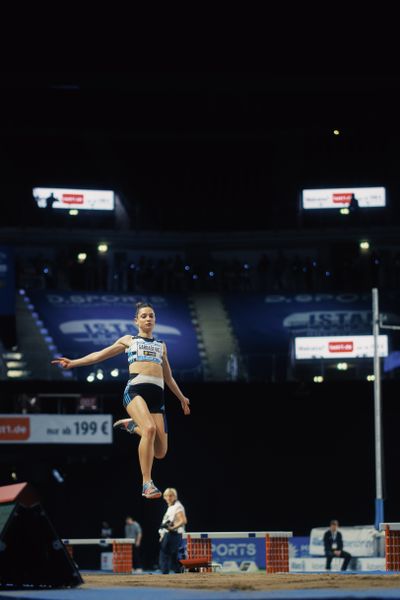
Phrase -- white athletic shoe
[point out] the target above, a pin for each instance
(150, 490)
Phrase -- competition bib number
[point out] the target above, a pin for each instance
(152, 352)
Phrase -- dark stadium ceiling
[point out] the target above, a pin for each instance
(214, 139)
(196, 104)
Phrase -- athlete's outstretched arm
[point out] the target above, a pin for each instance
(90, 359)
(173, 386)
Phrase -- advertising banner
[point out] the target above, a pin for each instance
(350, 346)
(365, 197)
(299, 546)
(55, 429)
(277, 319)
(81, 323)
(66, 198)
(239, 550)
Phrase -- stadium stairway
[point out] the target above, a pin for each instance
(214, 331)
(32, 344)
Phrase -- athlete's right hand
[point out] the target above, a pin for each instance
(65, 363)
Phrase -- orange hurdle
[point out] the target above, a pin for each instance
(199, 547)
(121, 550)
(392, 545)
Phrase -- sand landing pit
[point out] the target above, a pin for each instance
(248, 581)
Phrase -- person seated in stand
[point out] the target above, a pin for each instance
(333, 546)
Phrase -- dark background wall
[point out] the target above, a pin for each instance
(250, 457)
(210, 152)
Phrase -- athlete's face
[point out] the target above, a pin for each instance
(146, 319)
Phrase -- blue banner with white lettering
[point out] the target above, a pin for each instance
(7, 281)
(268, 323)
(81, 323)
(299, 546)
(391, 362)
(239, 550)
(253, 549)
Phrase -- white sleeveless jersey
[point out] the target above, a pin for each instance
(145, 350)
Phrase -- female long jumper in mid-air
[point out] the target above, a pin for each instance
(144, 393)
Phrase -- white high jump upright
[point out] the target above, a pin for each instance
(377, 324)
(379, 511)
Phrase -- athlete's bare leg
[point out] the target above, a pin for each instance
(138, 411)
(161, 439)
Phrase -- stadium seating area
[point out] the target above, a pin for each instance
(263, 326)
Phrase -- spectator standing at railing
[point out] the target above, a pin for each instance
(133, 530)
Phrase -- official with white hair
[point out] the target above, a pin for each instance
(171, 532)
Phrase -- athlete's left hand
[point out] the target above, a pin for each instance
(185, 405)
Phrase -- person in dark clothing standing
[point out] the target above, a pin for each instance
(333, 545)
(133, 530)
